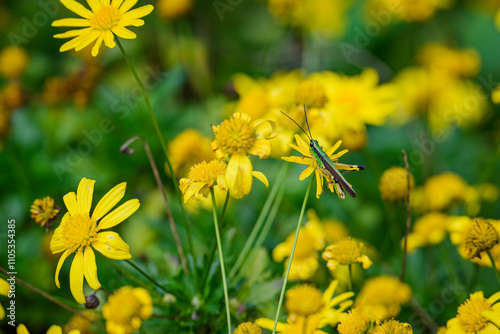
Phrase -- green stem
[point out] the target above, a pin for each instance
(350, 276)
(162, 142)
(152, 280)
(299, 224)
(493, 265)
(214, 247)
(221, 260)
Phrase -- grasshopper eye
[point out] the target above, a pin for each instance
(311, 143)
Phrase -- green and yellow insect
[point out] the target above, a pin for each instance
(326, 165)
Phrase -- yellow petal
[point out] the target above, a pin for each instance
(127, 4)
(57, 244)
(59, 265)
(75, 42)
(90, 268)
(73, 33)
(94, 5)
(21, 329)
(119, 214)
(2, 312)
(306, 173)
(131, 22)
(92, 36)
(192, 190)
(138, 12)
(261, 177)
(332, 149)
(328, 294)
(123, 32)
(319, 183)
(71, 23)
(54, 329)
(261, 148)
(70, 202)
(97, 46)
(274, 128)
(111, 245)
(4, 287)
(109, 200)
(109, 39)
(77, 8)
(269, 324)
(76, 278)
(84, 195)
(116, 3)
(239, 175)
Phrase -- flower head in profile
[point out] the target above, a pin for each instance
(346, 252)
(104, 20)
(21, 329)
(477, 315)
(307, 158)
(44, 212)
(126, 309)
(481, 236)
(235, 139)
(202, 177)
(247, 328)
(80, 233)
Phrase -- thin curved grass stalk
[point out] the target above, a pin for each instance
(221, 260)
(53, 300)
(146, 275)
(163, 145)
(126, 150)
(243, 256)
(299, 224)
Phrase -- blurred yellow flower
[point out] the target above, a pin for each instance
(188, 148)
(126, 309)
(12, 95)
(43, 211)
(307, 158)
(13, 62)
(449, 61)
(355, 322)
(202, 177)
(481, 236)
(354, 140)
(440, 192)
(80, 323)
(346, 252)
(429, 229)
(393, 184)
(105, 19)
(21, 329)
(79, 232)
(411, 11)
(235, 138)
(172, 9)
(393, 327)
(381, 297)
(247, 328)
(476, 315)
(333, 230)
(4, 291)
(313, 311)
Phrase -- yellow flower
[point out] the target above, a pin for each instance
(202, 177)
(171, 9)
(13, 62)
(355, 322)
(105, 19)
(333, 230)
(4, 291)
(305, 259)
(12, 95)
(448, 61)
(393, 327)
(428, 230)
(317, 312)
(43, 211)
(381, 297)
(80, 323)
(346, 252)
(21, 329)
(247, 328)
(495, 95)
(188, 148)
(393, 184)
(477, 315)
(126, 309)
(303, 300)
(481, 236)
(79, 232)
(354, 140)
(307, 158)
(236, 138)
(411, 11)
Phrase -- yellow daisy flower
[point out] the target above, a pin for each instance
(105, 19)
(355, 322)
(393, 327)
(79, 232)
(126, 309)
(21, 329)
(477, 315)
(346, 252)
(202, 177)
(247, 328)
(307, 158)
(235, 138)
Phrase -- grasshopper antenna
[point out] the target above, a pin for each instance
(297, 124)
(308, 128)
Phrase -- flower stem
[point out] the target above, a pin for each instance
(350, 276)
(55, 301)
(299, 224)
(493, 265)
(221, 260)
(152, 280)
(162, 143)
(408, 217)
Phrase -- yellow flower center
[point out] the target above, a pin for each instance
(393, 327)
(106, 18)
(346, 251)
(248, 328)
(79, 231)
(207, 172)
(469, 314)
(481, 236)
(235, 136)
(303, 300)
(355, 322)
